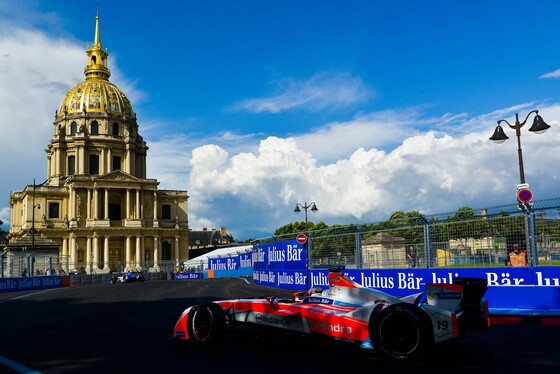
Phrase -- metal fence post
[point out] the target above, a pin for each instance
(358, 252)
(428, 242)
(532, 229)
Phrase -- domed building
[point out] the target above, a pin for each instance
(97, 202)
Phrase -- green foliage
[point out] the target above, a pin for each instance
(2, 232)
(298, 227)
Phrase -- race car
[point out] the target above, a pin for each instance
(128, 277)
(399, 327)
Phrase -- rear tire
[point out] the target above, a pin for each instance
(401, 331)
(206, 324)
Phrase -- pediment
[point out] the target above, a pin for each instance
(119, 176)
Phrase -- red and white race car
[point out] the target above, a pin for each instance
(400, 327)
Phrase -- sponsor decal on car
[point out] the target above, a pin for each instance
(317, 300)
(266, 319)
(317, 325)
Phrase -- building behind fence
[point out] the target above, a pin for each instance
(507, 235)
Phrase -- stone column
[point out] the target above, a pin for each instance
(89, 259)
(137, 210)
(96, 252)
(73, 258)
(65, 255)
(127, 203)
(77, 168)
(138, 254)
(156, 224)
(128, 163)
(106, 265)
(127, 259)
(109, 160)
(95, 203)
(106, 203)
(72, 204)
(156, 253)
(102, 162)
(177, 249)
(50, 164)
(88, 204)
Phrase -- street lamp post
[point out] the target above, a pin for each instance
(539, 126)
(305, 207)
(308, 254)
(38, 206)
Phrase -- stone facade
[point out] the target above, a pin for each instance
(97, 203)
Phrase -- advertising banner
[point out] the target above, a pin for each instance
(29, 283)
(514, 290)
(188, 276)
(224, 263)
(230, 263)
(280, 265)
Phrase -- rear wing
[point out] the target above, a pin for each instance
(464, 294)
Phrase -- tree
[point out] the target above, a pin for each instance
(2, 232)
(297, 227)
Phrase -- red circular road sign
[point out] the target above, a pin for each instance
(524, 196)
(301, 238)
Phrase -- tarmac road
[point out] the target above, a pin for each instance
(125, 328)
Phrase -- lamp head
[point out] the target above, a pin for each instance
(297, 210)
(539, 126)
(499, 135)
(314, 208)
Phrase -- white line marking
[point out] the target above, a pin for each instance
(30, 294)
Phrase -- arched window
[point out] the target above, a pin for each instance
(115, 129)
(73, 128)
(94, 128)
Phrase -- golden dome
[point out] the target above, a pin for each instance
(96, 94)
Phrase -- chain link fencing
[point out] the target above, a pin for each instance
(525, 234)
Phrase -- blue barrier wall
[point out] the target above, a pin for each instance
(511, 290)
(29, 283)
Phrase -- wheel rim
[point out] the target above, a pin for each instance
(202, 324)
(400, 334)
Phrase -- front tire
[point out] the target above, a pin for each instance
(206, 324)
(401, 331)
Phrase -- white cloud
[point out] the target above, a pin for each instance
(35, 74)
(552, 74)
(5, 215)
(431, 172)
(321, 91)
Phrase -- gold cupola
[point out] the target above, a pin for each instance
(96, 94)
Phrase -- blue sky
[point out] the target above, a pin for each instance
(365, 107)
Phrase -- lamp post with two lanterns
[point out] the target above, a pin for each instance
(313, 207)
(538, 127)
(524, 195)
(305, 206)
